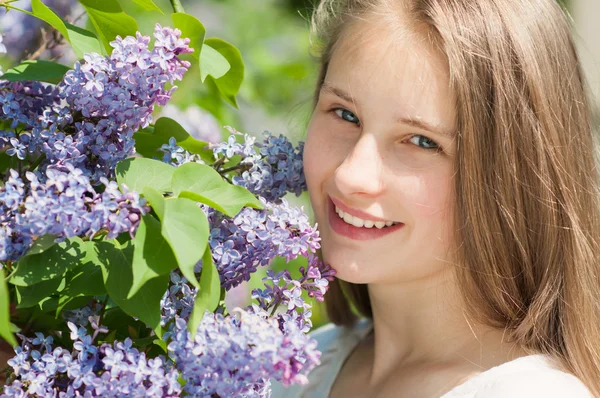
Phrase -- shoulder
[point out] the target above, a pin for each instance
(532, 377)
(330, 336)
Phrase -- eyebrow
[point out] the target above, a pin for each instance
(408, 120)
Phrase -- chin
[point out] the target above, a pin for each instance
(348, 271)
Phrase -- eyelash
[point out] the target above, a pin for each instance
(437, 148)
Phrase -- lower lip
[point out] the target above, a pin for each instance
(357, 233)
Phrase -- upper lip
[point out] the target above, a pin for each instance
(355, 213)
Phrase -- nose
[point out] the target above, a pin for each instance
(361, 172)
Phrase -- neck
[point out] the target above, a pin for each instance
(423, 323)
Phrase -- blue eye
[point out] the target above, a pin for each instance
(424, 142)
(347, 115)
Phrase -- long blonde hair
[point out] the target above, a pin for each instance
(527, 210)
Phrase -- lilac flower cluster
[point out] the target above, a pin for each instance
(62, 204)
(272, 172)
(115, 370)
(269, 169)
(26, 102)
(178, 300)
(116, 95)
(106, 99)
(237, 355)
(176, 155)
(314, 280)
(81, 316)
(234, 355)
(254, 237)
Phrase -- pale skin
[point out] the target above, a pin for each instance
(358, 152)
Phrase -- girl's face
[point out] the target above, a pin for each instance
(380, 145)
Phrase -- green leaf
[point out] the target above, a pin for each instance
(6, 161)
(43, 71)
(138, 173)
(148, 5)
(149, 140)
(147, 143)
(120, 323)
(83, 41)
(209, 293)
(229, 84)
(5, 325)
(52, 263)
(29, 296)
(41, 244)
(204, 184)
(41, 11)
(152, 255)
(191, 28)
(51, 304)
(84, 280)
(156, 201)
(185, 227)
(167, 127)
(212, 63)
(109, 20)
(118, 277)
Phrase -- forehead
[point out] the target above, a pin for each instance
(375, 62)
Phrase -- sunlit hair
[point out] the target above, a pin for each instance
(527, 209)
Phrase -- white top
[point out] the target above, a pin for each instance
(525, 377)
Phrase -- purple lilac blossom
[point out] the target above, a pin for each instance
(314, 279)
(254, 237)
(104, 101)
(237, 355)
(273, 167)
(116, 96)
(178, 301)
(89, 370)
(26, 102)
(176, 155)
(81, 316)
(64, 205)
(272, 172)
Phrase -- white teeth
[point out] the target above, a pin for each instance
(348, 218)
(358, 222)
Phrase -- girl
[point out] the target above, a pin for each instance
(450, 165)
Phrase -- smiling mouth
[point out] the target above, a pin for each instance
(363, 223)
(341, 227)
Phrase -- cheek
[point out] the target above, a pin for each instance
(317, 159)
(435, 213)
(311, 160)
(428, 193)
